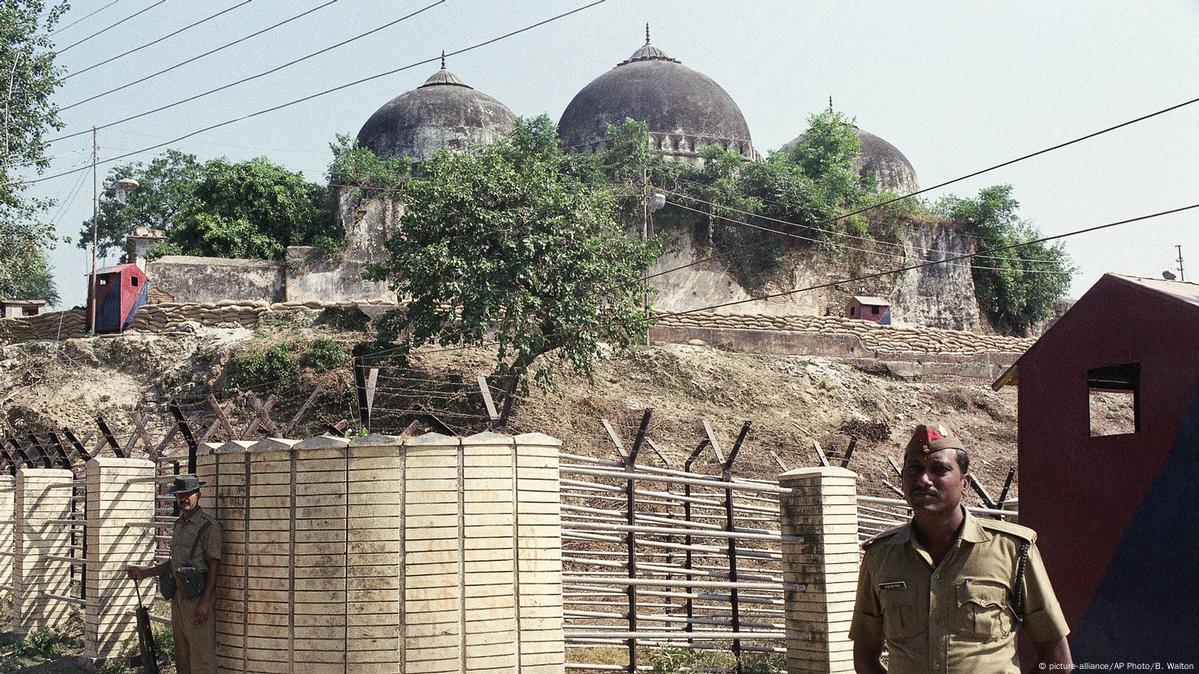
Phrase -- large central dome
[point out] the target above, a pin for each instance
(684, 109)
(442, 112)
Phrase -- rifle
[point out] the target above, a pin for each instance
(145, 636)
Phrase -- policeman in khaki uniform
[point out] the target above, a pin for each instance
(947, 592)
(196, 543)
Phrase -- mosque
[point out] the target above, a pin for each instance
(684, 110)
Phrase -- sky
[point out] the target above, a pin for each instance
(956, 86)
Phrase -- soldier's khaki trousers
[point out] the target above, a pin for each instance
(195, 645)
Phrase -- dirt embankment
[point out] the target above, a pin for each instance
(790, 400)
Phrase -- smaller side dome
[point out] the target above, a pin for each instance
(444, 112)
(891, 170)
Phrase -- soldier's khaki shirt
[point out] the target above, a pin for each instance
(958, 616)
(184, 535)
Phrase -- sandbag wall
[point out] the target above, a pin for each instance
(58, 325)
(874, 337)
(430, 554)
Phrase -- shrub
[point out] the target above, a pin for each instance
(255, 366)
(324, 354)
(1019, 285)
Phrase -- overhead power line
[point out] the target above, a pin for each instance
(69, 200)
(151, 43)
(110, 27)
(85, 17)
(243, 80)
(326, 92)
(865, 250)
(922, 265)
(257, 148)
(864, 239)
(197, 58)
(967, 176)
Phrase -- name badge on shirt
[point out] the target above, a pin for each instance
(895, 585)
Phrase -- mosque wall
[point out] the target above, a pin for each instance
(940, 296)
(305, 274)
(366, 221)
(185, 278)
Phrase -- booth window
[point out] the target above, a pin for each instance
(1115, 399)
(132, 280)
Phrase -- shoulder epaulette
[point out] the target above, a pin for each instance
(878, 537)
(1021, 532)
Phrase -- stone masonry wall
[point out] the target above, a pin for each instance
(694, 276)
(366, 223)
(153, 318)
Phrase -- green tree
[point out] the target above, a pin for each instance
(253, 209)
(166, 190)
(28, 78)
(1016, 287)
(35, 282)
(808, 185)
(510, 244)
(826, 157)
(248, 209)
(359, 167)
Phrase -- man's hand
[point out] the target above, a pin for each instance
(135, 572)
(201, 612)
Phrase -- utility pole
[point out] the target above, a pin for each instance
(645, 223)
(95, 223)
(1181, 275)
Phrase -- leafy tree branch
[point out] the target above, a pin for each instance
(28, 78)
(510, 245)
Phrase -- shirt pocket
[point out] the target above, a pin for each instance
(899, 614)
(983, 612)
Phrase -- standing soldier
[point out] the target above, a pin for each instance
(947, 591)
(189, 579)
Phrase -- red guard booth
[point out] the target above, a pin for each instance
(120, 291)
(868, 308)
(1109, 467)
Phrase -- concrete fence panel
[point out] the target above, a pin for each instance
(120, 500)
(820, 556)
(7, 551)
(42, 541)
(430, 554)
